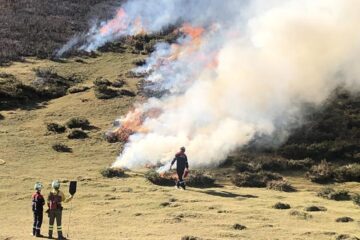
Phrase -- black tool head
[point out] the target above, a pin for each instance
(72, 187)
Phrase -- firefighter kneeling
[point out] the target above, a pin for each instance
(55, 199)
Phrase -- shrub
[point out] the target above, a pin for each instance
(321, 173)
(104, 92)
(259, 179)
(300, 215)
(243, 167)
(344, 219)
(139, 62)
(55, 127)
(118, 83)
(280, 185)
(356, 199)
(348, 173)
(102, 82)
(303, 164)
(155, 178)
(346, 237)
(280, 205)
(315, 209)
(78, 89)
(190, 238)
(125, 92)
(199, 179)
(112, 172)
(237, 226)
(59, 147)
(78, 122)
(2, 117)
(330, 193)
(77, 134)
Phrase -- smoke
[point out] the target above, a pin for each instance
(247, 73)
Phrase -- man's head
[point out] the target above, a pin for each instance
(55, 184)
(182, 149)
(38, 186)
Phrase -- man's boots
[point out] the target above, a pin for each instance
(34, 232)
(50, 235)
(38, 234)
(60, 236)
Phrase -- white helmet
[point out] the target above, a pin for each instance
(55, 184)
(38, 186)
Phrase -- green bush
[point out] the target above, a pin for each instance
(280, 185)
(55, 127)
(78, 122)
(77, 134)
(280, 205)
(356, 199)
(330, 193)
(199, 179)
(105, 92)
(348, 173)
(59, 147)
(102, 82)
(112, 172)
(315, 209)
(155, 178)
(78, 89)
(321, 173)
(238, 226)
(258, 179)
(344, 219)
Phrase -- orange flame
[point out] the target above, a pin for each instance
(115, 25)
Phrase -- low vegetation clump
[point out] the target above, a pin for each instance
(321, 173)
(59, 147)
(280, 185)
(112, 172)
(280, 205)
(200, 179)
(348, 173)
(102, 82)
(126, 92)
(77, 89)
(344, 219)
(2, 117)
(190, 238)
(55, 127)
(14, 93)
(49, 84)
(300, 215)
(118, 83)
(155, 178)
(77, 134)
(356, 199)
(330, 193)
(315, 209)
(238, 226)
(258, 179)
(78, 122)
(105, 92)
(346, 237)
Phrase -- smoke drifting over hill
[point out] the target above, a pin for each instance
(240, 69)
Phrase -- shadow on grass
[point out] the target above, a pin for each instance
(227, 194)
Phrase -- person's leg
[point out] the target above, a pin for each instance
(39, 223)
(58, 223)
(180, 173)
(51, 222)
(34, 224)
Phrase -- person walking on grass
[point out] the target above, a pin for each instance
(38, 203)
(182, 167)
(55, 200)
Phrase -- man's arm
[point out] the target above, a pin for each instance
(172, 162)
(186, 163)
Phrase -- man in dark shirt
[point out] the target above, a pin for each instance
(37, 207)
(181, 166)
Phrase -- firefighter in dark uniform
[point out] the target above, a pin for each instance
(38, 202)
(182, 165)
(55, 199)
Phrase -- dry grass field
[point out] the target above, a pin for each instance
(131, 207)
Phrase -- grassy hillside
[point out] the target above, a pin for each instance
(39, 27)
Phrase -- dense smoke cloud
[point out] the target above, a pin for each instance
(247, 74)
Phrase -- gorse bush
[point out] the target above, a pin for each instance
(321, 173)
(112, 172)
(55, 127)
(78, 122)
(330, 193)
(258, 179)
(280, 185)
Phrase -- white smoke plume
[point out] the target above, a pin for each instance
(248, 72)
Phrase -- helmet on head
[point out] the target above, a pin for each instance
(182, 149)
(55, 184)
(38, 186)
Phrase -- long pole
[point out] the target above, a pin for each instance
(68, 231)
